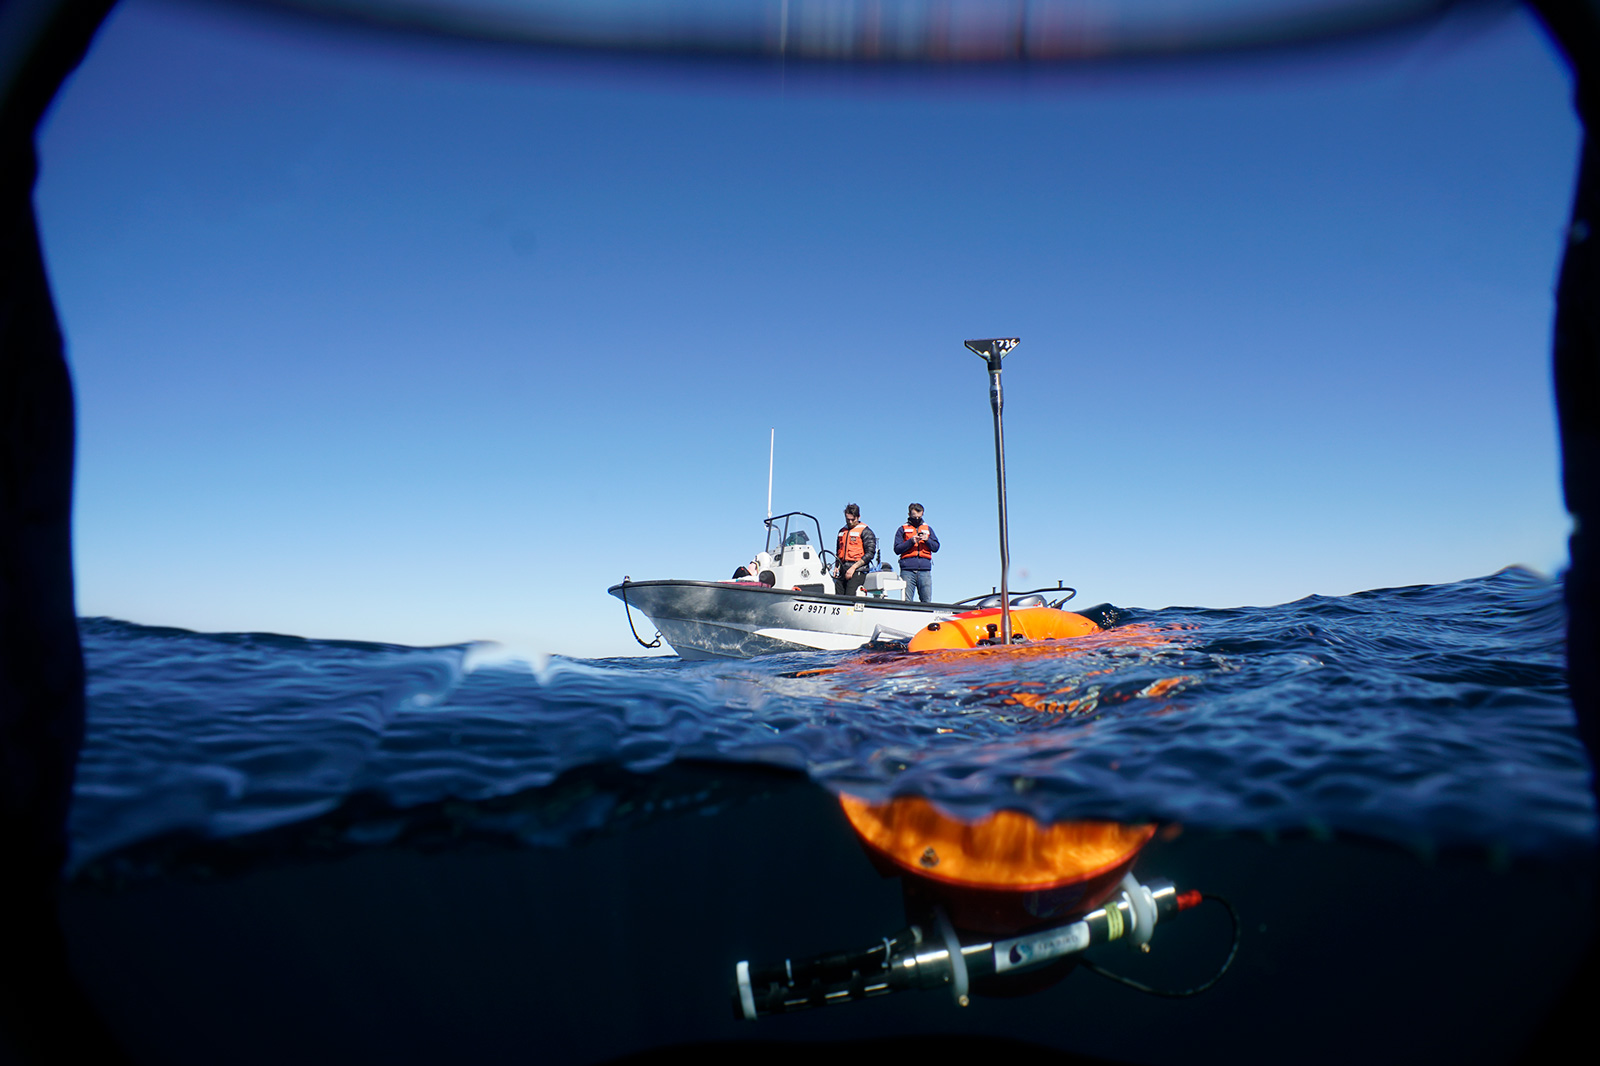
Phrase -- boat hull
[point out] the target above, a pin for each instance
(726, 620)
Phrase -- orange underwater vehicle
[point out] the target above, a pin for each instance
(1001, 905)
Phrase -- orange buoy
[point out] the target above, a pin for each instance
(1030, 623)
(1003, 873)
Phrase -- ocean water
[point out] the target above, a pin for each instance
(1433, 717)
(291, 815)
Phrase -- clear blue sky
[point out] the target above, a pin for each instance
(380, 340)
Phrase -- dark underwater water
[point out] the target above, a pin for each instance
(327, 851)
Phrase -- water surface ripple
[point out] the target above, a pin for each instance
(1431, 716)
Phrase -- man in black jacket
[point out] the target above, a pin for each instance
(857, 546)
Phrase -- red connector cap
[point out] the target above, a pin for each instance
(1189, 899)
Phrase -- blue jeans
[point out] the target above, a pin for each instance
(918, 583)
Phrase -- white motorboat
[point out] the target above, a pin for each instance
(787, 606)
(726, 620)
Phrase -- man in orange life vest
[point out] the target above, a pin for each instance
(857, 546)
(915, 543)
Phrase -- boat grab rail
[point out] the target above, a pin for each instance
(1034, 598)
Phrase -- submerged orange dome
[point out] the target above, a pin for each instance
(1004, 871)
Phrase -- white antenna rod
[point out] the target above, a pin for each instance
(772, 445)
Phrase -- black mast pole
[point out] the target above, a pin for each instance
(992, 351)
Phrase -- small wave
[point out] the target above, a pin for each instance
(1432, 716)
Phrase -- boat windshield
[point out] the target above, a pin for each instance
(780, 528)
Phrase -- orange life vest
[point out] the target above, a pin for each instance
(921, 551)
(850, 546)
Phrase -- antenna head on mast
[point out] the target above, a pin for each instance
(994, 349)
